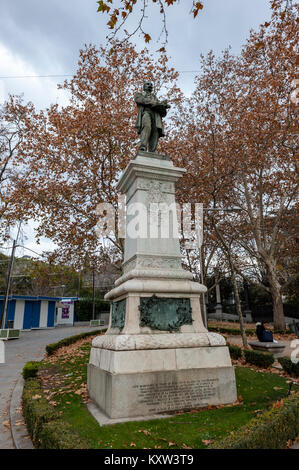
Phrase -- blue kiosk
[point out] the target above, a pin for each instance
(30, 312)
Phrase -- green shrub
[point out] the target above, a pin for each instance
(45, 426)
(235, 351)
(51, 348)
(30, 369)
(59, 434)
(288, 366)
(283, 332)
(230, 331)
(36, 409)
(271, 430)
(258, 358)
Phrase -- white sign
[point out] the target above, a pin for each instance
(295, 344)
(2, 352)
(295, 93)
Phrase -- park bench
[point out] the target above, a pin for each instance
(97, 322)
(274, 348)
(9, 333)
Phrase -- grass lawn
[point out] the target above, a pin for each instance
(64, 382)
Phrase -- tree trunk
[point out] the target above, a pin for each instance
(238, 305)
(235, 286)
(278, 314)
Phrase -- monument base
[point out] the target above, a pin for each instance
(125, 384)
(157, 356)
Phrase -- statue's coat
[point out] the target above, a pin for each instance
(141, 103)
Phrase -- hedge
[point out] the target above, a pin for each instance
(237, 331)
(258, 358)
(51, 348)
(235, 351)
(30, 369)
(288, 366)
(36, 409)
(270, 430)
(60, 435)
(230, 331)
(46, 428)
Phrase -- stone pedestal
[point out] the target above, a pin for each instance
(156, 356)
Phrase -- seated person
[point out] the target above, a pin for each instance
(265, 336)
(259, 331)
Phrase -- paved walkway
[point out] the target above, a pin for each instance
(30, 346)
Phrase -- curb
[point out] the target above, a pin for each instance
(20, 436)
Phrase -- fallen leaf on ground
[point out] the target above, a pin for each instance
(147, 433)
(278, 404)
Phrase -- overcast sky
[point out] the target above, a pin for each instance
(44, 38)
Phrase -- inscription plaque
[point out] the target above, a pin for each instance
(176, 395)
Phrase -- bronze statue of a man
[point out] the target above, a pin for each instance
(149, 120)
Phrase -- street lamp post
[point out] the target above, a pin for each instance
(8, 282)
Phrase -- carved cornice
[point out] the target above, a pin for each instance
(158, 341)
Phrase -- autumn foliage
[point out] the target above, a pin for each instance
(235, 135)
(74, 155)
(240, 148)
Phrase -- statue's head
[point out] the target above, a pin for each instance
(148, 86)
